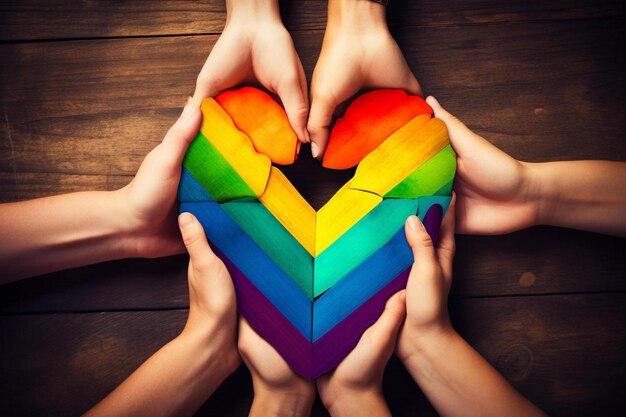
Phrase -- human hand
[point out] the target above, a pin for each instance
(277, 389)
(358, 52)
(255, 47)
(428, 285)
(493, 190)
(149, 201)
(355, 386)
(212, 303)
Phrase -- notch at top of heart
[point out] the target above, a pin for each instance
(388, 133)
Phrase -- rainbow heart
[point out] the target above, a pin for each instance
(310, 283)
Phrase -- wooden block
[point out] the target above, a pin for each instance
(360, 241)
(429, 178)
(368, 121)
(361, 284)
(254, 263)
(342, 211)
(214, 172)
(190, 190)
(400, 155)
(263, 120)
(275, 240)
(234, 146)
(290, 209)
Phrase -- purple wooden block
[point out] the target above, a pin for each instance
(432, 221)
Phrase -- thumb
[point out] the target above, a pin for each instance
(322, 109)
(200, 254)
(425, 258)
(293, 94)
(181, 134)
(460, 135)
(388, 324)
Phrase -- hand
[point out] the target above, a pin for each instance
(255, 47)
(150, 198)
(428, 285)
(358, 52)
(493, 189)
(355, 386)
(277, 389)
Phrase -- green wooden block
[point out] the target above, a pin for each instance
(275, 240)
(215, 174)
(362, 240)
(428, 178)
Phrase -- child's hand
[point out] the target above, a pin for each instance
(256, 47)
(355, 386)
(492, 188)
(358, 52)
(428, 285)
(277, 389)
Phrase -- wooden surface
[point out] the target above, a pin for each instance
(88, 88)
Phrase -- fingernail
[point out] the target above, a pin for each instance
(315, 150)
(432, 221)
(185, 220)
(189, 110)
(403, 296)
(414, 223)
(432, 101)
(298, 146)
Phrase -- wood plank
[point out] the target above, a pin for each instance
(98, 107)
(557, 350)
(57, 19)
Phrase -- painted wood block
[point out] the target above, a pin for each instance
(265, 122)
(368, 122)
(311, 283)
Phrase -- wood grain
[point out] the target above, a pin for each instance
(59, 19)
(554, 349)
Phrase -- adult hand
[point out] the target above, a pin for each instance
(493, 190)
(355, 386)
(149, 200)
(428, 285)
(277, 389)
(358, 52)
(255, 47)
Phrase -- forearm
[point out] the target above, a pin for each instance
(252, 9)
(586, 195)
(459, 382)
(359, 15)
(61, 232)
(176, 380)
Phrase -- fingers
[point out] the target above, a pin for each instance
(293, 94)
(425, 258)
(446, 246)
(179, 136)
(322, 109)
(388, 324)
(202, 258)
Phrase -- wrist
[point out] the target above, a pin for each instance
(370, 402)
(252, 11)
(356, 15)
(280, 402)
(542, 196)
(421, 349)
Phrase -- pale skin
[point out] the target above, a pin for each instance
(358, 52)
(255, 48)
(454, 377)
(497, 194)
(353, 388)
(196, 362)
(71, 230)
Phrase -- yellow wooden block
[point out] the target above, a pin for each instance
(342, 211)
(218, 127)
(400, 155)
(290, 208)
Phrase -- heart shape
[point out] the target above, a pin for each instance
(310, 283)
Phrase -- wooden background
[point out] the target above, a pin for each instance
(87, 88)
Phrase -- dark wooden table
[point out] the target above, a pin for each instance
(87, 88)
